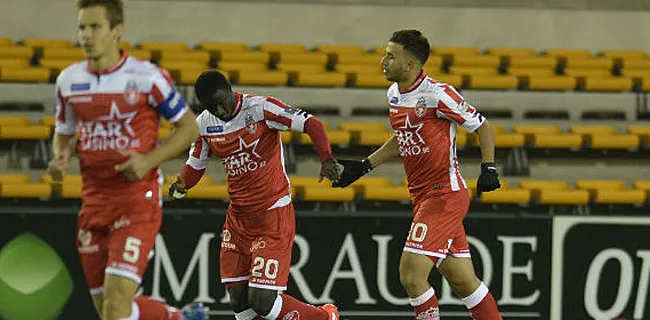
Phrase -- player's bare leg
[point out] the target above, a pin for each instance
(118, 298)
(414, 270)
(239, 302)
(98, 302)
(277, 306)
(460, 274)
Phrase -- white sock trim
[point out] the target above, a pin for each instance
(476, 297)
(275, 311)
(248, 314)
(426, 296)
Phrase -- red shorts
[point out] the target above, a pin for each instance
(118, 237)
(437, 228)
(257, 248)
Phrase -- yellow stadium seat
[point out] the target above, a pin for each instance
(642, 131)
(319, 58)
(47, 43)
(511, 52)
(543, 62)
(636, 64)
(367, 182)
(165, 124)
(340, 49)
(372, 59)
(191, 56)
(13, 178)
(286, 136)
(188, 77)
(243, 67)
(25, 75)
(593, 129)
(216, 47)
(563, 197)
(328, 194)
(461, 140)
(564, 53)
(282, 48)
(377, 193)
(302, 182)
(536, 129)
(453, 51)
(473, 71)
(556, 141)
(68, 179)
(125, 45)
(207, 180)
(593, 185)
(373, 138)
(48, 121)
(18, 52)
(56, 65)
(72, 190)
(269, 78)
(157, 47)
(506, 196)
(379, 50)
(322, 79)
(301, 67)
(613, 84)
(645, 85)
(589, 63)
(26, 190)
(246, 57)
(371, 81)
(622, 141)
(637, 74)
(144, 55)
(356, 69)
(502, 82)
(433, 62)
(29, 132)
(620, 197)
(639, 184)
(6, 42)
(552, 83)
(14, 63)
(163, 133)
(338, 137)
(625, 54)
(64, 53)
(14, 121)
(528, 72)
(432, 71)
(175, 65)
(485, 61)
(452, 80)
(509, 140)
(208, 191)
(591, 73)
(363, 126)
(537, 186)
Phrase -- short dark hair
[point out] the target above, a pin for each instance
(414, 42)
(114, 9)
(207, 85)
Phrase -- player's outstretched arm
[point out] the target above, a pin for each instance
(355, 169)
(61, 150)
(489, 178)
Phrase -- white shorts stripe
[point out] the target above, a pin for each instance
(262, 286)
(426, 253)
(461, 255)
(124, 274)
(235, 279)
(96, 291)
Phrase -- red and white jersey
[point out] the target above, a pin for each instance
(250, 149)
(424, 118)
(114, 110)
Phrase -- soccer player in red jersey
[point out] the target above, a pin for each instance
(109, 107)
(243, 131)
(424, 114)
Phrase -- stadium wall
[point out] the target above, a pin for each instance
(368, 25)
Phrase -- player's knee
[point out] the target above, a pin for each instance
(412, 276)
(238, 298)
(261, 300)
(462, 284)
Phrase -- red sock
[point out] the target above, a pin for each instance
(426, 306)
(482, 305)
(287, 307)
(151, 309)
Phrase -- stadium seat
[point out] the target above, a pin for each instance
(282, 48)
(367, 182)
(340, 49)
(450, 79)
(635, 64)
(371, 81)
(14, 121)
(536, 129)
(188, 77)
(327, 194)
(359, 59)
(501, 82)
(434, 61)
(29, 132)
(595, 185)
(76, 54)
(205, 180)
(242, 67)
(589, 63)
(46, 43)
(286, 136)
(25, 190)
(562, 54)
(6, 42)
(125, 45)
(301, 67)
(473, 71)
(144, 55)
(18, 52)
(319, 58)
(620, 197)
(388, 193)
(34, 74)
(506, 196)
(215, 48)
(49, 121)
(625, 54)
(448, 52)
(163, 133)
(528, 72)
(639, 184)
(157, 47)
(552, 83)
(269, 78)
(432, 71)
(14, 63)
(71, 190)
(509, 140)
(539, 62)
(245, 57)
(338, 137)
(613, 84)
(321, 79)
(300, 183)
(175, 66)
(14, 178)
(587, 73)
(461, 140)
(556, 141)
(56, 65)
(165, 124)
(359, 69)
(589, 130)
(642, 131)
(485, 61)
(563, 197)
(190, 56)
(68, 179)
(623, 141)
(511, 52)
(372, 138)
(355, 127)
(537, 186)
(208, 191)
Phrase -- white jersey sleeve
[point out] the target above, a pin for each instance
(451, 105)
(165, 98)
(66, 123)
(281, 116)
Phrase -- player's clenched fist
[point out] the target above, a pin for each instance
(330, 170)
(488, 180)
(352, 171)
(58, 168)
(177, 190)
(136, 167)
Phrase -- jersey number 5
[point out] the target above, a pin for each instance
(132, 249)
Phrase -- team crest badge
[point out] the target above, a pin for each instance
(251, 125)
(421, 107)
(131, 92)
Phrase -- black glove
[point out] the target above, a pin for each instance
(177, 191)
(488, 180)
(352, 171)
